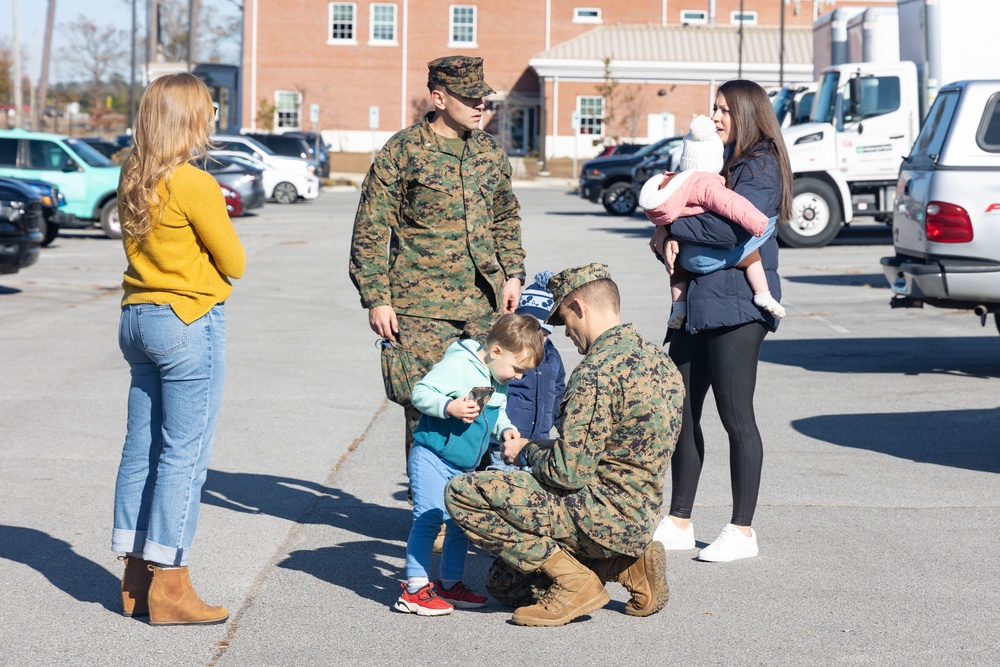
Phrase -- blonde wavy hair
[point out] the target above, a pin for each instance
(172, 127)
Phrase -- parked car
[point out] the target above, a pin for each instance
(655, 164)
(609, 179)
(620, 149)
(252, 147)
(281, 185)
(53, 203)
(234, 203)
(246, 181)
(87, 179)
(102, 146)
(290, 145)
(20, 222)
(318, 147)
(946, 212)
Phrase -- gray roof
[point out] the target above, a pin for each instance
(687, 43)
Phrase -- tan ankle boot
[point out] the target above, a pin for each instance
(135, 586)
(644, 577)
(575, 591)
(172, 600)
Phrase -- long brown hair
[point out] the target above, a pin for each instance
(754, 124)
(171, 127)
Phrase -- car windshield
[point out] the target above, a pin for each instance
(651, 148)
(824, 110)
(89, 154)
(247, 160)
(782, 102)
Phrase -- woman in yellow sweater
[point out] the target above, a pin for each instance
(182, 251)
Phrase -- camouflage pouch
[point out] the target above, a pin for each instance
(397, 365)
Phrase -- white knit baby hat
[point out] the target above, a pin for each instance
(702, 147)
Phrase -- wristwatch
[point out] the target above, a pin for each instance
(519, 276)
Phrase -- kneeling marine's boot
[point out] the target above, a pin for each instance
(135, 586)
(172, 600)
(575, 591)
(645, 578)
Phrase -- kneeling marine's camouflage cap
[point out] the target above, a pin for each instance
(568, 280)
(462, 75)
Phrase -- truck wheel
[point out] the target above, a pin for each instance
(816, 217)
(285, 193)
(110, 223)
(619, 199)
(50, 231)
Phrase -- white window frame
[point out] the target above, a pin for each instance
(580, 15)
(694, 16)
(588, 121)
(293, 112)
(749, 18)
(382, 41)
(451, 26)
(353, 39)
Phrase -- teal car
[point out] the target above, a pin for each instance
(87, 179)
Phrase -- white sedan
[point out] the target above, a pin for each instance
(282, 185)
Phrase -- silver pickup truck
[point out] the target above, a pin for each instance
(946, 220)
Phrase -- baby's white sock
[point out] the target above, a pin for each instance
(678, 313)
(766, 301)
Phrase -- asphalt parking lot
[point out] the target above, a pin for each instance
(879, 519)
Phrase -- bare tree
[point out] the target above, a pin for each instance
(93, 52)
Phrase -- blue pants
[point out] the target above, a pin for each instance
(705, 259)
(429, 474)
(173, 406)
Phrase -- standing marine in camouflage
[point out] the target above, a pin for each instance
(436, 253)
(595, 494)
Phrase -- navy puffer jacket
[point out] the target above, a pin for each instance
(724, 298)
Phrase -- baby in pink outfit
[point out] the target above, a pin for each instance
(696, 188)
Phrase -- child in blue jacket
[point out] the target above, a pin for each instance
(452, 436)
(533, 401)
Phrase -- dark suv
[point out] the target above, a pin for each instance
(317, 148)
(291, 146)
(20, 220)
(609, 179)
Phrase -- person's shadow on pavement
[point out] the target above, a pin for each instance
(68, 571)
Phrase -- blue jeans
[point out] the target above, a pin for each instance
(173, 406)
(705, 259)
(429, 474)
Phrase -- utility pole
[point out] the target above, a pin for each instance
(18, 93)
(131, 78)
(192, 31)
(38, 107)
(781, 56)
(739, 71)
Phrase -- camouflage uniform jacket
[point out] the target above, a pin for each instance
(620, 419)
(429, 221)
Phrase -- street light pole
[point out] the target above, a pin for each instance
(781, 52)
(739, 71)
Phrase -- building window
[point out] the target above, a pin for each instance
(343, 23)
(383, 24)
(692, 16)
(750, 18)
(462, 28)
(591, 110)
(287, 110)
(586, 15)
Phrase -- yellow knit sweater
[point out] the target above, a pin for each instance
(190, 254)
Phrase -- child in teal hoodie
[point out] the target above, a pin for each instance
(451, 438)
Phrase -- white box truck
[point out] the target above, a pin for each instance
(866, 116)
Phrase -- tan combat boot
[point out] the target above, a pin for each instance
(172, 600)
(645, 578)
(135, 586)
(575, 591)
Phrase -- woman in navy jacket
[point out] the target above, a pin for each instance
(720, 345)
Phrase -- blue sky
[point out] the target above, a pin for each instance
(31, 19)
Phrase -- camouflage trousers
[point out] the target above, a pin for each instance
(513, 516)
(426, 339)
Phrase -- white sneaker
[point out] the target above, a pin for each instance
(672, 537)
(731, 545)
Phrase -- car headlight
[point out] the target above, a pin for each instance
(11, 210)
(46, 200)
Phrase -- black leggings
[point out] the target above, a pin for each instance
(725, 360)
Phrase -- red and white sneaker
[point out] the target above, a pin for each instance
(424, 602)
(461, 597)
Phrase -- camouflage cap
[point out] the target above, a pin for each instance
(568, 280)
(462, 75)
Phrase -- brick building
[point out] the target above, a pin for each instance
(568, 74)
